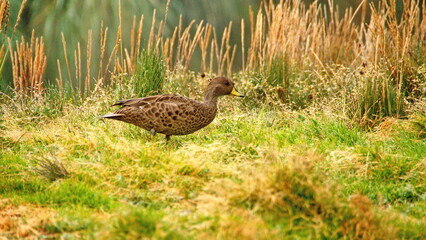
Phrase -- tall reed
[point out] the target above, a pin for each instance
(4, 15)
(28, 63)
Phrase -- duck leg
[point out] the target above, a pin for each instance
(167, 138)
(152, 134)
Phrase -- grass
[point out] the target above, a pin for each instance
(250, 174)
(149, 74)
(328, 144)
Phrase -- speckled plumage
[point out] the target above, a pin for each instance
(172, 114)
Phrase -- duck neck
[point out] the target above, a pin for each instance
(210, 98)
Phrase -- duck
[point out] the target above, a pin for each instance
(173, 114)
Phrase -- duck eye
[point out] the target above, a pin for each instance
(226, 83)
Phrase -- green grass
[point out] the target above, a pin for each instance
(265, 174)
(148, 78)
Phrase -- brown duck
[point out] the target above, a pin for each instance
(172, 114)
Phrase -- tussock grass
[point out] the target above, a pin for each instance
(288, 194)
(149, 75)
(51, 169)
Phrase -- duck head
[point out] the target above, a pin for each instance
(220, 86)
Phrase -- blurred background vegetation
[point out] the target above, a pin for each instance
(50, 18)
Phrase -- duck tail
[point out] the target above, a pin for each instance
(112, 116)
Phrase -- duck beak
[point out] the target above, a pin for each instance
(236, 93)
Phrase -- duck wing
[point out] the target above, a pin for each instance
(164, 98)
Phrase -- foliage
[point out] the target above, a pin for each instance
(329, 142)
(149, 74)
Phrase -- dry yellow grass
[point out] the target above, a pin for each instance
(23, 221)
(28, 63)
(4, 15)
